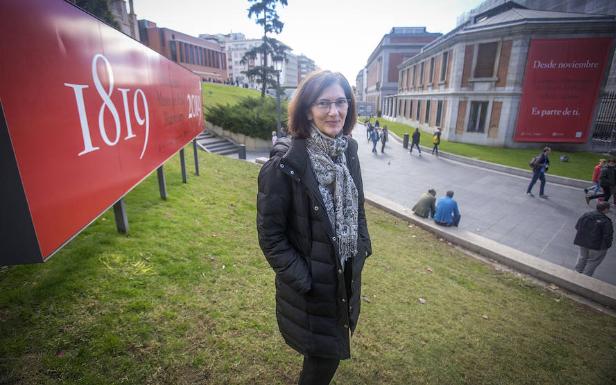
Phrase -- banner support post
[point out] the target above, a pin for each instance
(162, 184)
(196, 154)
(121, 220)
(183, 166)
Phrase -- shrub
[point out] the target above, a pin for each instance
(251, 116)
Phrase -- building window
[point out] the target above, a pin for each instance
(486, 58)
(439, 112)
(431, 71)
(427, 116)
(421, 74)
(174, 54)
(418, 109)
(444, 62)
(181, 45)
(477, 118)
(414, 74)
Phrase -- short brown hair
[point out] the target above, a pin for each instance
(308, 92)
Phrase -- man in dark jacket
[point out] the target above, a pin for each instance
(415, 141)
(594, 236)
(540, 167)
(607, 180)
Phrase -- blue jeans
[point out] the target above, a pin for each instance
(539, 174)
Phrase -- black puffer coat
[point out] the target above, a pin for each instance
(313, 308)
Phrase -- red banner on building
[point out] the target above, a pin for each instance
(88, 113)
(561, 85)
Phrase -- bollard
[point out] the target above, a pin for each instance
(242, 152)
(405, 141)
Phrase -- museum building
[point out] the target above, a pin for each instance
(509, 76)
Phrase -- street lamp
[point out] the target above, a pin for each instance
(278, 63)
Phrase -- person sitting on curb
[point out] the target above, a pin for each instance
(447, 213)
(594, 236)
(426, 204)
(540, 167)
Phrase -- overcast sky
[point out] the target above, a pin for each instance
(338, 35)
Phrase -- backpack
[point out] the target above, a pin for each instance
(374, 136)
(533, 162)
(436, 139)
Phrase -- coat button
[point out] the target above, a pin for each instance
(346, 326)
(281, 165)
(292, 172)
(334, 239)
(343, 300)
(316, 208)
(339, 271)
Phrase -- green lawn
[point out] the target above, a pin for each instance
(188, 298)
(579, 166)
(214, 93)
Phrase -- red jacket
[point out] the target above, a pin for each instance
(596, 173)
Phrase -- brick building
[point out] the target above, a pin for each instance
(205, 58)
(485, 81)
(381, 77)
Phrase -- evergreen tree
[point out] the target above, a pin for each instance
(266, 16)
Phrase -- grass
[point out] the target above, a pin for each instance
(214, 93)
(579, 166)
(188, 298)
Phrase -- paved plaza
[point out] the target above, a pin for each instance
(493, 204)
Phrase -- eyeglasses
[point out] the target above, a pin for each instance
(325, 105)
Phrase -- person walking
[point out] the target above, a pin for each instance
(311, 225)
(593, 191)
(540, 164)
(607, 180)
(447, 212)
(594, 236)
(374, 137)
(384, 138)
(369, 130)
(436, 141)
(425, 206)
(415, 141)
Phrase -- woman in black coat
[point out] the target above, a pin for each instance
(312, 225)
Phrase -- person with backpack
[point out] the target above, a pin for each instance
(369, 130)
(540, 165)
(415, 141)
(436, 140)
(384, 138)
(374, 137)
(594, 236)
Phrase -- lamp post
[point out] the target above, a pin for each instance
(278, 64)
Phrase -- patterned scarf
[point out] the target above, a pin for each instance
(337, 188)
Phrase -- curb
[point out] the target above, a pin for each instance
(506, 169)
(587, 287)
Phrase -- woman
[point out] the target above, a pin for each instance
(312, 226)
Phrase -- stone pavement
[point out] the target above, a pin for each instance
(493, 204)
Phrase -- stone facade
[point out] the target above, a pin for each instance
(482, 110)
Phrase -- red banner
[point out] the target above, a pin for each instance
(561, 85)
(89, 111)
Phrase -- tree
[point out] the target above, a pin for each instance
(98, 8)
(266, 16)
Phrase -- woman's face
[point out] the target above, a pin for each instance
(328, 112)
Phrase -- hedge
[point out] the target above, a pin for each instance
(251, 116)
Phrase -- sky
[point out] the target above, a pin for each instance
(339, 35)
